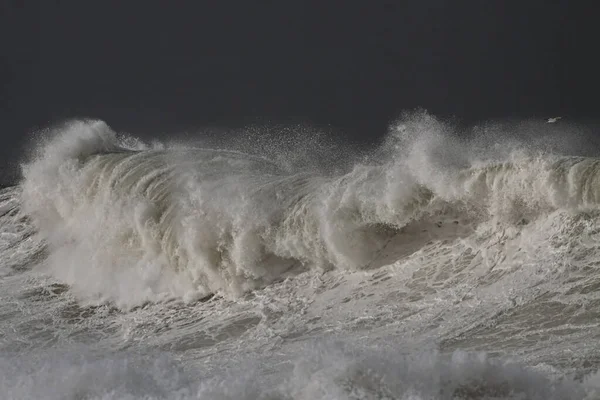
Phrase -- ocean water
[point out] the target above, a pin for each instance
(441, 264)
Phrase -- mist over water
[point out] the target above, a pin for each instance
(442, 263)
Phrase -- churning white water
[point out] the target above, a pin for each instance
(441, 265)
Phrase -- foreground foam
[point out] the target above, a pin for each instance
(326, 371)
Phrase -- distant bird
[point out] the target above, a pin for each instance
(553, 120)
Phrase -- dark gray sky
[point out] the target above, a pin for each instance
(154, 66)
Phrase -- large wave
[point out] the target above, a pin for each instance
(129, 222)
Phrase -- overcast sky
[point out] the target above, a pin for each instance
(156, 66)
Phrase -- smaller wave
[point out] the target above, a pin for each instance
(324, 372)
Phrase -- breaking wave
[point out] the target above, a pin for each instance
(128, 222)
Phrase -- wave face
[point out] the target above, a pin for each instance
(127, 222)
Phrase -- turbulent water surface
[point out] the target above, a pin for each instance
(440, 265)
